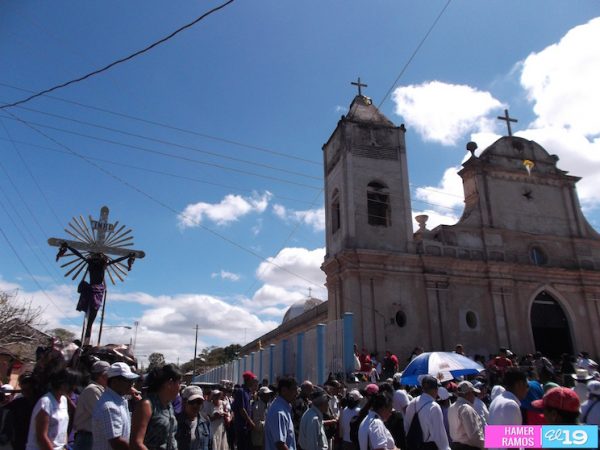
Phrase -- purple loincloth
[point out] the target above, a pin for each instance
(90, 296)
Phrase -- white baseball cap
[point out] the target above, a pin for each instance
(192, 393)
(120, 369)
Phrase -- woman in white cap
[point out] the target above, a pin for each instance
(193, 429)
(590, 410)
(351, 409)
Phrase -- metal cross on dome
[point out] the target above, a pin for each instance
(508, 120)
(359, 85)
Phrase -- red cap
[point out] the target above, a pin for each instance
(561, 398)
(372, 389)
(247, 375)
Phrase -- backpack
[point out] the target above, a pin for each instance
(414, 437)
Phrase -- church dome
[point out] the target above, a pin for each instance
(300, 307)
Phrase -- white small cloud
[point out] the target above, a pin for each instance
(225, 275)
(228, 210)
(315, 218)
(448, 194)
(443, 112)
(341, 109)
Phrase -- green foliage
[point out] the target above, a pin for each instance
(212, 356)
(156, 360)
(64, 335)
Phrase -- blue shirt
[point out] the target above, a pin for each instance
(279, 426)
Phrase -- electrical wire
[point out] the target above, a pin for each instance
(211, 183)
(414, 53)
(170, 127)
(33, 278)
(173, 144)
(158, 172)
(33, 178)
(166, 154)
(119, 61)
(161, 203)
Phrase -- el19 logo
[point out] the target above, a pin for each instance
(569, 436)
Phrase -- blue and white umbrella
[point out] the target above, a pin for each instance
(444, 366)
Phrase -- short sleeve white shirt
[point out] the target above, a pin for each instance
(400, 401)
(373, 434)
(58, 424)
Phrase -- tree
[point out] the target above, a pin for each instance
(156, 360)
(64, 335)
(18, 320)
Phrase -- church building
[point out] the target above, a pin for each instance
(520, 269)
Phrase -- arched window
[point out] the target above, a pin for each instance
(335, 211)
(378, 204)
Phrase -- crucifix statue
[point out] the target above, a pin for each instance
(508, 120)
(359, 85)
(100, 248)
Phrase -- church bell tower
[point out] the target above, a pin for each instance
(367, 197)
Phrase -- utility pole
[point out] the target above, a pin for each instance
(195, 353)
(135, 324)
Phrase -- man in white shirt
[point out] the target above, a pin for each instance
(505, 409)
(429, 413)
(401, 397)
(590, 410)
(479, 404)
(372, 433)
(85, 405)
(584, 362)
(312, 432)
(466, 428)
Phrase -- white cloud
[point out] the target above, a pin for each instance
(341, 109)
(228, 210)
(225, 275)
(447, 194)
(562, 81)
(443, 112)
(315, 218)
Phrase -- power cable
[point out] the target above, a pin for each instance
(170, 127)
(158, 172)
(414, 53)
(163, 204)
(33, 178)
(173, 144)
(33, 278)
(165, 154)
(119, 61)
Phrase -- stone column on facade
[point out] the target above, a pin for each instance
(437, 289)
(321, 353)
(499, 300)
(271, 363)
(592, 303)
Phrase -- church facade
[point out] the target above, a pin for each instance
(520, 269)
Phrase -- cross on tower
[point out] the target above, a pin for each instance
(508, 120)
(359, 85)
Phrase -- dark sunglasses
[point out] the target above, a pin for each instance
(196, 402)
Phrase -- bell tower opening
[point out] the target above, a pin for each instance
(550, 326)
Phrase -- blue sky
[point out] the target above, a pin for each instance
(271, 74)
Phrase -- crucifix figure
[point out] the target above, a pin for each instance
(99, 248)
(508, 120)
(359, 85)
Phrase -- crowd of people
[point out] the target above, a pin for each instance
(121, 410)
